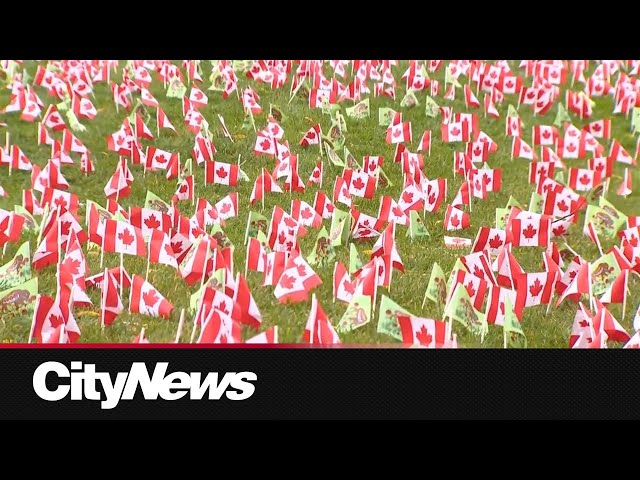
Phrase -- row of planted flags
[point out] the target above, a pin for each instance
(486, 286)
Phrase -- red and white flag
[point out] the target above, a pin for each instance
(319, 330)
(296, 280)
(110, 302)
(145, 299)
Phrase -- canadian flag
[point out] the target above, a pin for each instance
(470, 99)
(604, 320)
(435, 192)
(599, 128)
(573, 144)
(185, 190)
(490, 239)
(583, 180)
(399, 133)
(455, 219)
(580, 284)
(221, 173)
(146, 300)
(296, 280)
(274, 266)
(411, 198)
(163, 121)
(32, 109)
(491, 179)
(323, 205)
(625, 187)
(513, 127)
(148, 99)
(386, 245)
(57, 198)
(256, 255)
(529, 230)
(489, 105)
(49, 177)
(476, 287)
(197, 98)
(424, 332)
(361, 184)
(341, 191)
(16, 159)
(312, 137)
(390, 211)
(70, 143)
(496, 304)
(305, 214)
(283, 230)
(544, 135)
(534, 289)
(510, 84)
(425, 143)
(519, 149)
(319, 330)
(265, 145)
(539, 170)
(619, 154)
(316, 175)
(158, 159)
(579, 103)
(160, 250)
(83, 108)
(249, 313)
(478, 264)
(53, 321)
(268, 336)
(122, 237)
(364, 225)
(455, 132)
(149, 220)
(227, 207)
(343, 286)
(110, 302)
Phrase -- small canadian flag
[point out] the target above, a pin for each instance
(513, 127)
(625, 187)
(145, 299)
(312, 137)
(455, 132)
(399, 133)
(455, 219)
(470, 99)
(425, 143)
(318, 329)
(520, 149)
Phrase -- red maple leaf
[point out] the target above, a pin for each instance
(306, 213)
(287, 281)
(282, 237)
(477, 151)
(301, 270)
(329, 207)
(56, 320)
(221, 172)
(599, 167)
(60, 202)
(289, 245)
(176, 246)
(316, 173)
(358, 184)
(64, 228)
(161, 159)
(529, 232)
(571, 148)
(583, 323)
(562, 206)
(290, 222)
(470, 290)
(501, 308)
(486, 179)
(168, 250)
(198, 95)
(71, 265)
(150, 298)
(572, 133)
(407, 196)
(183, 188)
(509, 84)
(397, 133)
(572, 274)
(477, 185)
(152, 222)
(222, 306)
(536, 288)
(584, 179)
(265, 144)
(349, 287)
(311, 135)
(397, 211)
(633, 240)
(423, 336)
(495, 242)
(455, 131)
(126, 238)
(225, 208)
(546, 134)
(455, 221)
(432, 198)
(596, 127)
(224, 338)
(559, 230)
(477, 271)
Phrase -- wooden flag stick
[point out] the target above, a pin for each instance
(180, 326)
(103, 299)
(121, 272)
(146, 276)
(102, 250)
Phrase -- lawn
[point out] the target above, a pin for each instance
(363, 137)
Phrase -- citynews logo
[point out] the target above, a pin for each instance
(83, 380)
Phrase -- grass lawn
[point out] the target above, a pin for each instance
(363, 137)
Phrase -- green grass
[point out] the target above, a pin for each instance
(364, 137)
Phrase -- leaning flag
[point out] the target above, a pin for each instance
(145, 299)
